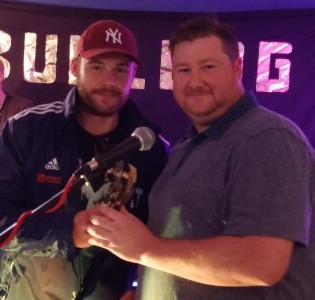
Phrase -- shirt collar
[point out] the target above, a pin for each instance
(220, 126)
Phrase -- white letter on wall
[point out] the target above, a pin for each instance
(5, 44)
(263, 82)
(49, 73)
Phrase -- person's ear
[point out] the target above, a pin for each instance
(74, 67)
(239, 67)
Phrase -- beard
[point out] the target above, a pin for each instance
(112, 103)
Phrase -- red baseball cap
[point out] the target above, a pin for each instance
(107, 36)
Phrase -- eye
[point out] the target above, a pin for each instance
(208, 67)
(96, 67)
(183, 70)
(123, 69)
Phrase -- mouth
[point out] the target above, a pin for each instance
(197, 97)
(199, 94)
(108, 93)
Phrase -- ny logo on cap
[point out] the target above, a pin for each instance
(115, 35)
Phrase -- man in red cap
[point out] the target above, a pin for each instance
(40, 150)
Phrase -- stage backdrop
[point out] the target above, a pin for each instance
(36, 44)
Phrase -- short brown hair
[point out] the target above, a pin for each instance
(204, 26)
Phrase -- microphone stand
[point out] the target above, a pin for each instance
(141, 139)
(48, 206)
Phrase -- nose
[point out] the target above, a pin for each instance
(108, 77)
(195, 79)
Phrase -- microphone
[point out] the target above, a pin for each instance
(142, 139)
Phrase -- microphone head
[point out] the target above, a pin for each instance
(146, 136)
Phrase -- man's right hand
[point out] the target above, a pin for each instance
(80, 223)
